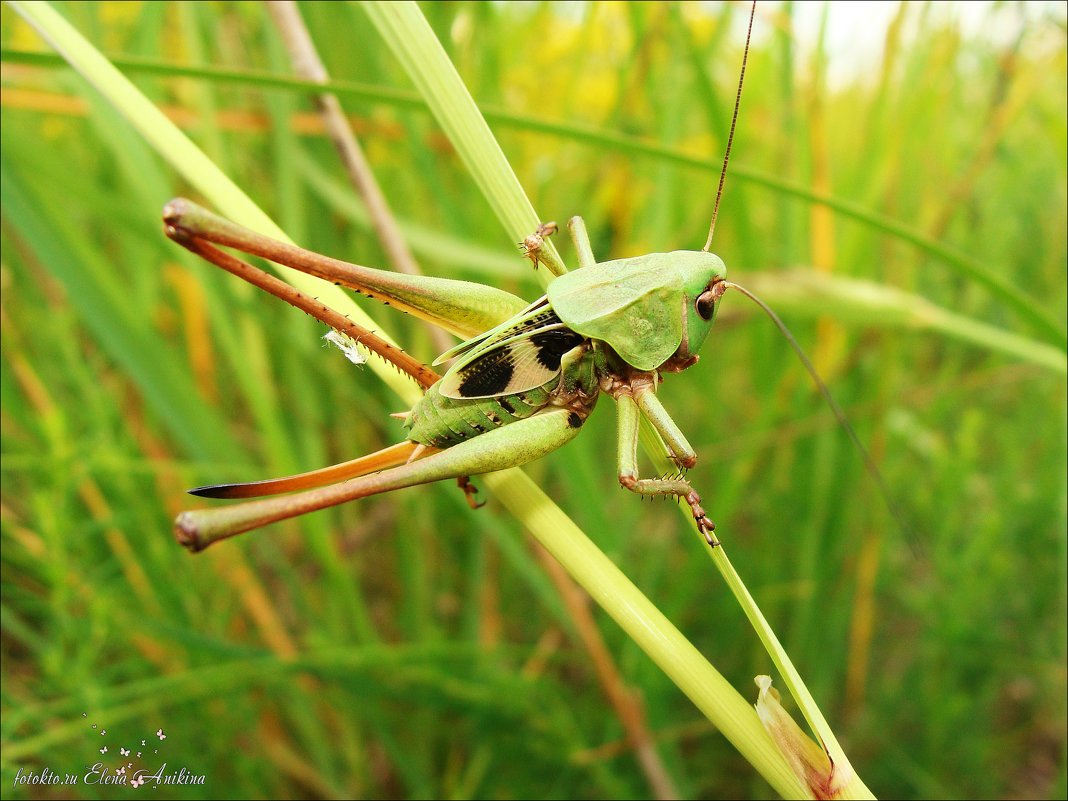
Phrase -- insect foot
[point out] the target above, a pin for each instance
(680, 488)
(531, 246)
(704, 524)
(470, 491)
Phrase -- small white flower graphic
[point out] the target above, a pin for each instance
(160, 734)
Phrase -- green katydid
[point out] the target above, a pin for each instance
(516, 392)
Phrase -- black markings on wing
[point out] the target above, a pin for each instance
(551, 344)
(487, 376)
(516, 366)
(524, 358)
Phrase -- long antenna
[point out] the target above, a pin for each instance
(869, 463)
(730, 136)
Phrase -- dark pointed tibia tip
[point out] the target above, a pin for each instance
(219, 491)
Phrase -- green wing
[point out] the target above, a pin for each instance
(504, 330)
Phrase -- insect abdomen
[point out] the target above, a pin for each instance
(441, 422)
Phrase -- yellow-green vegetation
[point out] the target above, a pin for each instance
(904, 211)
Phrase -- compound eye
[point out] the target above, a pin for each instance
(706, 304)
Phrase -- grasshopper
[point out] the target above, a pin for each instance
(519, 389)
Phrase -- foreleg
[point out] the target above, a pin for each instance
(629, 418)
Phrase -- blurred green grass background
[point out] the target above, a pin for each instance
(406, 647)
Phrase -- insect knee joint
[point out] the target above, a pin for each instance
(687, 461)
